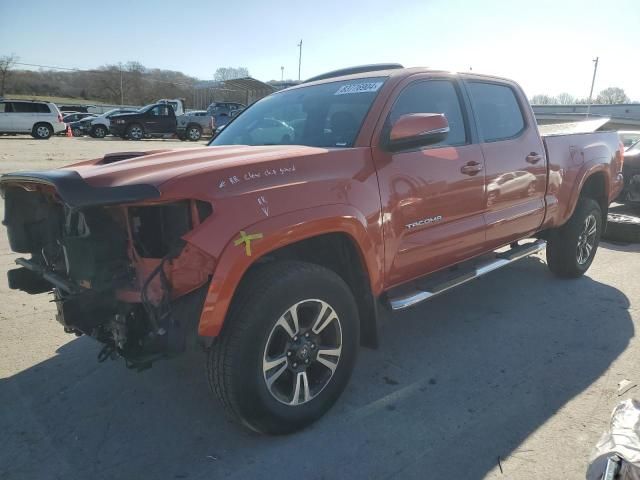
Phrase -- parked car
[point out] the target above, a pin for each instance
(77, 116)
(281, 259)
(75, 108)
(160, 120)
(38, 118)
(98, 127)
(224, 112)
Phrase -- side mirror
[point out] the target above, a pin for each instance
(417, 130)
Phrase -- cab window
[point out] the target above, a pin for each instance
(433, 96)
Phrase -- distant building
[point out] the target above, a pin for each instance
(241, 90)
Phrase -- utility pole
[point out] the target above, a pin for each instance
(593, 81)
(282, 74)
(121, 90)
(300, 59)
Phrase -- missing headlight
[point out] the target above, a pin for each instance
(157, 229)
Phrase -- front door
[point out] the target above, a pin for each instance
(515, 168)
(432, 197)
(159, 120)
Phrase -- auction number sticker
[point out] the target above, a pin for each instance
(358, 88)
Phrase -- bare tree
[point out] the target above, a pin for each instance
(542, 99)
(612, 95)
(229, 73)
(566, 99)
(6, 63)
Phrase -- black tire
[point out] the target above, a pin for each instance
(76, 132)
(235, 363)
(193, 133)
(622, 228)
(135, 132)
(42, 131)
(99, 131)
(564, 251)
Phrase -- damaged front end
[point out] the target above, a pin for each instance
(115, 259)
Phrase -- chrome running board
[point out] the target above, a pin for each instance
(422, 292)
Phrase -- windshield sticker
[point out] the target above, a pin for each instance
(359, 88)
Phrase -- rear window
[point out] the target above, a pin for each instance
(498, 111)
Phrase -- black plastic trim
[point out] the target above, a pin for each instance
(77, 193)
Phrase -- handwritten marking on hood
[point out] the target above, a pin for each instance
(264, 205)
(252, 175)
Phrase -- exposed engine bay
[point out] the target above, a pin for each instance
(122, 274)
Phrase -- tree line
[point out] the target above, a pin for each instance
(608, 96)
(128, 84)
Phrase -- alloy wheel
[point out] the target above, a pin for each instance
(587, 239)
(302, 352)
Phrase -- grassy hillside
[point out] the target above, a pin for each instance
(56, 100)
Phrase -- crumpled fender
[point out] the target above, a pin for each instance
(276, 232)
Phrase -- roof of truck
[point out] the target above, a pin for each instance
(394, 70)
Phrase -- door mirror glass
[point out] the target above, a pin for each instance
(417, 130)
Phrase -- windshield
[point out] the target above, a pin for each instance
(325, 115)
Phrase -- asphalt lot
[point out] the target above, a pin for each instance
(512, 376)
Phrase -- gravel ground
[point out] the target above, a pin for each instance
(512, 376)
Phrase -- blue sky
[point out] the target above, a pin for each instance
(547, 46)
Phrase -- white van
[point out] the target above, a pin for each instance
(39, 119)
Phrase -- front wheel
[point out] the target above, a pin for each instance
(572, 247)
(99, 131)
(287, 349)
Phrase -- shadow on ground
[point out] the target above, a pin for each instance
(456, 383)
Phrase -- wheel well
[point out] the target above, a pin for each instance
(194, 125)
(595, 187)
(339, 253)
(42, 123)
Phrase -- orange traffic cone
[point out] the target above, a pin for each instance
(69, 131)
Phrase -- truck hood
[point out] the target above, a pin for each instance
(157, 168)
(131, 177)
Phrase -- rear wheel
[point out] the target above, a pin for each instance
(194, 133)
(41, 131)
(572, 247)
(135, 132)
(287, 349)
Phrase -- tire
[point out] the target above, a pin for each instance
(135, 132)
(254, 334)
(42, 131)
(572, 247)
(193, 133)
(622, 228)
(99, 131)
(76, 132)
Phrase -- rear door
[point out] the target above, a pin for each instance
(432, 197)
(515, 163)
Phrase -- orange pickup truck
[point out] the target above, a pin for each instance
(281, 245)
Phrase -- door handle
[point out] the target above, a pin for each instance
(533, 157)
(471, 168)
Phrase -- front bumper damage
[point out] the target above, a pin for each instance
(114, 258)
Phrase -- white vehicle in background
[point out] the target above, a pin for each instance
(98, 127)
(38, 118)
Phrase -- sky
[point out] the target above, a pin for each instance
(546, 46)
